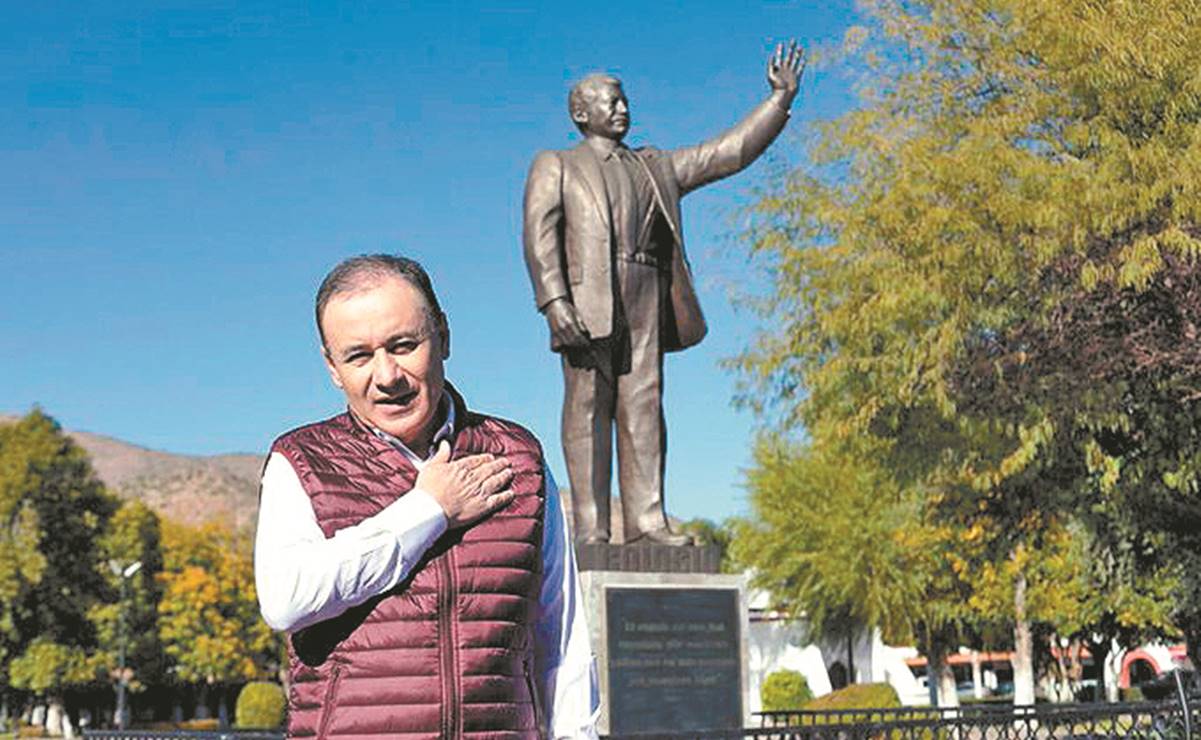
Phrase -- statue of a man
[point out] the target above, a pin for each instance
(605, 253)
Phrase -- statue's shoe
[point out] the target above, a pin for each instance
(662, 536)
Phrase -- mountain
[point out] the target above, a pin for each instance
(186, 488)
(195, 489)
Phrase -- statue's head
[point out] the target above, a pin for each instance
(598, 106)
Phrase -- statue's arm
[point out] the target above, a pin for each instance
(542, 229)
(542, 236)
(742, 144)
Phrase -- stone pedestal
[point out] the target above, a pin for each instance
(670, 641)
(648, 558)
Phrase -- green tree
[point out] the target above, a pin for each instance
(838, 543)
(986, 274)
(706, 533)
(56, 511)
(822, 542)
(1098, 590)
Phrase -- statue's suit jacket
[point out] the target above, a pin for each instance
(568, 236)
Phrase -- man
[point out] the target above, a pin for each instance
(415, 549)
(605, 253)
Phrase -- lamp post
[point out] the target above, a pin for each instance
(122, 680)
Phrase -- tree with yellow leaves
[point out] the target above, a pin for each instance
(987, 275)
(209, 621)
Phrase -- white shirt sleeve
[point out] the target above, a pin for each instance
(564, 665)
(303, 578)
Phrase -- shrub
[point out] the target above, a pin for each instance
(260, 706)
(858, 696)
(784, 690)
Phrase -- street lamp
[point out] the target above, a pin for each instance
(122, 680)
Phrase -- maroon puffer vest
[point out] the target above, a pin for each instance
(449, 652)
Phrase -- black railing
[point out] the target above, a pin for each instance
(1159, 720)
(1164, 720)
(1143, 719)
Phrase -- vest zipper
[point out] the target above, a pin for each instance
(327, 707)
(446, 647)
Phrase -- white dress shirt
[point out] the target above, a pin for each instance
(303, 578)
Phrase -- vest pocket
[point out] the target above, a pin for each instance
(327, 706)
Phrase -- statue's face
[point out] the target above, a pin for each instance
(606, 114)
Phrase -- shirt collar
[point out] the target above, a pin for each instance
(604, 148)
(446, 431)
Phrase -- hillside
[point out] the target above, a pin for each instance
(194, 489)
(189, 489)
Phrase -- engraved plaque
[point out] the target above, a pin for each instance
(674, 659)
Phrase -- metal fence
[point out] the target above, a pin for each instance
(1169, 719)
(1173, 719)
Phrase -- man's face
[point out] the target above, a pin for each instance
(385, 352)
(606, 114)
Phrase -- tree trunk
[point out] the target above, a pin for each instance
(58, 724)
(1100, 652)
(70, 717)
(977, 676)
(1113, 672)
(202, 703)
(851, 657)
(931, 685)
(222, 708)
(940, 674)
(1023, 647)
(948, 691)
(1061, 677)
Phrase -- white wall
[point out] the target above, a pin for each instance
(777, 644)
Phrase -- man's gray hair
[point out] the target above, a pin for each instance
(365, 271)
(583, 91)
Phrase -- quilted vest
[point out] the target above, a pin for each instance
(449, 652)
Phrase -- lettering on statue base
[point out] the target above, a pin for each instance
(648, 558)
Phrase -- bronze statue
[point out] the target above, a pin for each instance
(606, 256)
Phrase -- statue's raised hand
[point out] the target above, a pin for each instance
(784, 70)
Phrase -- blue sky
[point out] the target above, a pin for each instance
(176, 178)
